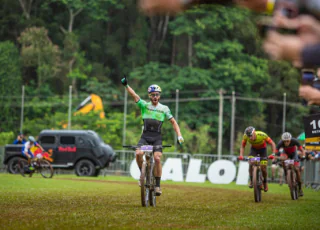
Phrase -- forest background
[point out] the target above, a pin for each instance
(49, 45)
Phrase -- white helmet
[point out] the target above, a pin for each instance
(286, 136)
(31, 138)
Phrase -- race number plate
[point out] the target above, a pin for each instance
(289, 162)
(255, 159)
(146, 148)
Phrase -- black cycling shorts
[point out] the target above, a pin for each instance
(155, 140)
(262, 153)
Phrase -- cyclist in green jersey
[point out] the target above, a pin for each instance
(153, 114)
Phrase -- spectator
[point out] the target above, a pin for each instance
(20, 139)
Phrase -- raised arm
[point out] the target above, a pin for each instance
(132, 93)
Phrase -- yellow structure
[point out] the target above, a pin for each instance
(85, 107)
(95, 105)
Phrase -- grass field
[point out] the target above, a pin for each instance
(70, 202)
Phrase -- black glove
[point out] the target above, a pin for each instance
(124, 80)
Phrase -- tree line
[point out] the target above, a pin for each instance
(51, 44)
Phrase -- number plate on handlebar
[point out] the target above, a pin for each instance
(146, 148)
(289, 162)
(257, 159)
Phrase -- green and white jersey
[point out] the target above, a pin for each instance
(153, 116)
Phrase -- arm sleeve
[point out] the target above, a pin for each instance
(311, 56)
(244, 142)
(15, 142)
(266, 137)
(296, 142)
(168, 114)
(141, 103)
(268, 140)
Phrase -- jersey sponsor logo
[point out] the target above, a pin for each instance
(67, 149)
(155, 110)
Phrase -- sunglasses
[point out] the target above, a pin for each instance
(154, 94)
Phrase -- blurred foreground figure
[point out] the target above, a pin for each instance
(152, 7)
(299, 48)
(293, 7)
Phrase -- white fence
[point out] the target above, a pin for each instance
(311, 174)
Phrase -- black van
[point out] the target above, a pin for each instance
(81, 150)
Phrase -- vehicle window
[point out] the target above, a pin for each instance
(95, 135)
(81, 141)
(92, 143)
(47, 140)
(67, 140)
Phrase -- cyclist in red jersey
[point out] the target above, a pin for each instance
(290, 146)
(258, 141)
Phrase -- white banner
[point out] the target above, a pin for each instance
(219, 172)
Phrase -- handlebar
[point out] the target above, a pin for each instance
(137, 147)
(248, 158)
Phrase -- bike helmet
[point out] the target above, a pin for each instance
(286, 136)
(249, 131)
(154, 88)
(31, 138)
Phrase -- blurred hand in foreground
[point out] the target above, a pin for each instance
(310, 94)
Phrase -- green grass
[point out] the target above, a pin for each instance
(70, 202)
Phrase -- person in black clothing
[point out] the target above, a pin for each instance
(290, 146)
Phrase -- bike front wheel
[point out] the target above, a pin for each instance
(256, 184)
(142, 184)
(152, 194)
(292, 184)
(45, 169)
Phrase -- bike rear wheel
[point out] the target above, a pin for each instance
(152, 194)
(22, 167)
(256, 184)
(142, 183)
(45, 169)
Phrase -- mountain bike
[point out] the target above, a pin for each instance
(257, 178)
(291, 175)
(147, 178)
(40, 165)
